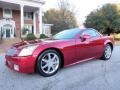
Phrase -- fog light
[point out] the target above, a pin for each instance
(16, 67)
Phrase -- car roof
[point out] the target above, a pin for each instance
(73, 29)
(81, 29)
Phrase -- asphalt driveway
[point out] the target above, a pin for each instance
(90, 75)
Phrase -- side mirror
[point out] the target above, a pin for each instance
(85, 37)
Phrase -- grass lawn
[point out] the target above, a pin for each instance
(116, 38)
(6, 44)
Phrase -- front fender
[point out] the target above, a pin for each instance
(41, 48)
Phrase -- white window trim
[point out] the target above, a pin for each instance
(26, 18)
(46, 29)
(28, 25)
(11, 16)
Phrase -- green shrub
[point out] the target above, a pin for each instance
(42, 36)
(30, 36)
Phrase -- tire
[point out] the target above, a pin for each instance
(107, 52)
(48, 63)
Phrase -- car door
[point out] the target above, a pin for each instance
(89, 48)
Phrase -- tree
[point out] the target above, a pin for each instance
(62, 18)
(106, 19)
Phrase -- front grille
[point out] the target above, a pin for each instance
(11, 52)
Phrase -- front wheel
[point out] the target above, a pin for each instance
(48, 63)
(107, 52)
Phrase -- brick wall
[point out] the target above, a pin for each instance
(28, 22)
(37, 24)
(16, 18)
(1, 13)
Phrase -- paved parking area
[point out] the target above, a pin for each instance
(90, 75)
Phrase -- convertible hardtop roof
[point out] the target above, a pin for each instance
(80, 29)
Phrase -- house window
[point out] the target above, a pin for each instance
(28, 15)
(7, 13)
(46, 30)
(29, 27)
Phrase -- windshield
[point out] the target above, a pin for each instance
(67, 34)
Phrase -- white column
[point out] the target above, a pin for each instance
(40, 20)
(34, 23)
(13, 28)
(22, 16)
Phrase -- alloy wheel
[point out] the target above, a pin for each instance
(108, 51)
(50, 63)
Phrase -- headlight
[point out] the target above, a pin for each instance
(27, 50)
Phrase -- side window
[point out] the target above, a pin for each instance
(97, 33)
(92, 33)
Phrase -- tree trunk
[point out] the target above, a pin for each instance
(108, 34)
(108, 31)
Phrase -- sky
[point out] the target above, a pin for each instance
(82, 7)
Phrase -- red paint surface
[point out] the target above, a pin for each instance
(74, 51)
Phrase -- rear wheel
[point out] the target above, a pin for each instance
(107, 52)
(48, 63)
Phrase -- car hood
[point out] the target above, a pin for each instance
(23, 44)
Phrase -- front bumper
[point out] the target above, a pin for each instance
(21, 64)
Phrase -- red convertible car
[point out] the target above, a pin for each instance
(66, 48)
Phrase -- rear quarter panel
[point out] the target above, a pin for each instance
(106, 40)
